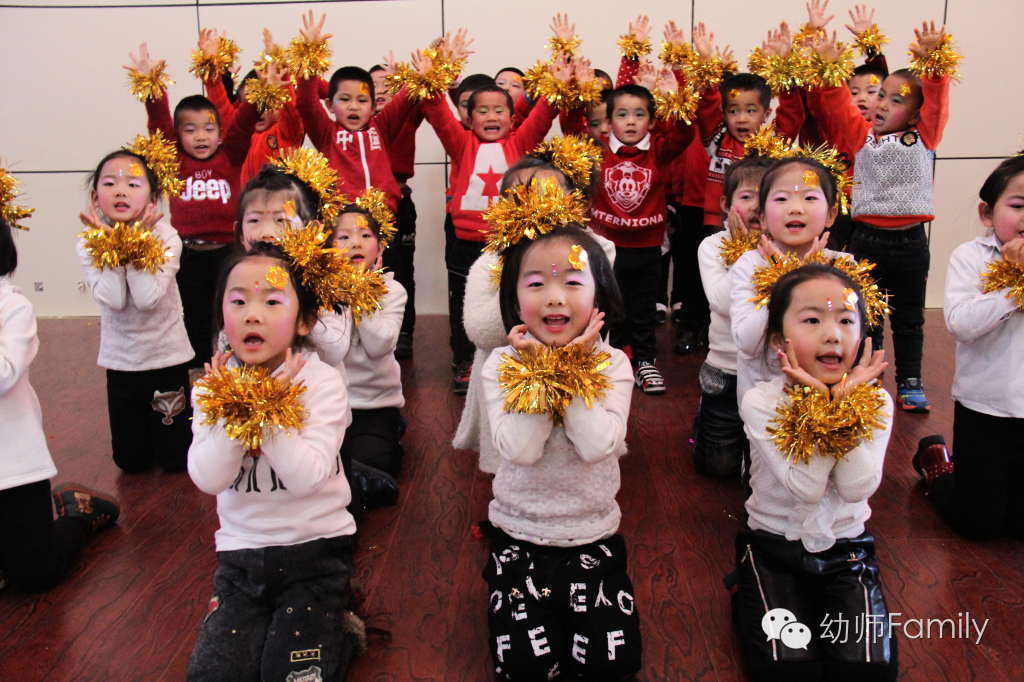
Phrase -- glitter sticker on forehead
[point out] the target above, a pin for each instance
(364, 89)
(873, 80)
(289, 208)
(211, 117)
(849, 299)
(828, 304)
(277, 277)
(734, 93)
(904, 90)
(361, 222)
(135, 170)
(811, 178)
(554, 270)
(578, 258)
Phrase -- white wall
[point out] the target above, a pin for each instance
(66, 102)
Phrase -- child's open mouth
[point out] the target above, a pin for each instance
(832, 361)
(253, 341)
(795, 225)
(555, 323)
(357, 258)
(121, 206)
(492, 129)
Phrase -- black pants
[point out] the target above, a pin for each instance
(277, 611)
(37, 551)
(567, 610)
(636, 271)
(373, 438)
(197, 283)
(399, 257)
(150, 418)
(822, 591)
(459, 255)
(982, 498)
(901, 261)
(720, 445)
(687, 286)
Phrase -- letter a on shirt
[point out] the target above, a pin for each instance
(485, 180)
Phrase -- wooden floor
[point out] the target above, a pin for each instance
(131, 609)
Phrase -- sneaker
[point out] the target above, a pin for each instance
(932, 458)
(911, 396)
(404, 348)
(72, 499)
(649, 379)
(660, 313)
(460, 382)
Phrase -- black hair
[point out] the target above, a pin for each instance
(607, 298)
(370, 220)
(995, 184)
(601, 73)
(273, 179)
(489, 88)
(375, 68)
(8, 252)
(227, 79)
(94, 177)
(509, 68)
(782, 295)
(308, 304)
(195, 103)
(472, 82)
(871, 69)
(538, 163)
(746, 169)
(914, 80)
(745, 82)
(634, 90)
(350, 73)
(825, 179)
(241, 84)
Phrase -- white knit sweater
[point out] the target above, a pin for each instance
(714, 274)
(374, 376)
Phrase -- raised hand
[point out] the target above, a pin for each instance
(292, 365)
(703, 41)
(218, 362)
(143, 63)
(794, 372)
(666, 81)
(458, 44)
(1013, 251)
(926, 39)
(312, 31)
(871, 365)
(208, 41)
(561, 27)
(421, 62)
(91, 219)
(582, 71)
(640, 28)
(646, 74)
(517, 338)
(816, 14)
(861, 19)
(588, 337)
(274, 74)
(561, 68)
(268, 41)
(673, 34)
(827, 47)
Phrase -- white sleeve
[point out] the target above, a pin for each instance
(148, 289)
(18, 340)
(108, 286)
(748, 322)
(332, 336)
(378, 332)
(969, 313)
(858, 474)
(714, 274)
(519, 438)
(599, 431)
(213, 458)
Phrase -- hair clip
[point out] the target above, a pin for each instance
(276, 277)
(578, 258)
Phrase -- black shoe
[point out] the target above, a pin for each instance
(691, 340)
(660, 314)
(463, 372)
(378, 488)
(72, 499)
(404, 348)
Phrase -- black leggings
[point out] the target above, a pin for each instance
(399, 257)
(150, 418)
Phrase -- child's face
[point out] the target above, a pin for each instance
(899, 104)
(597, 121)
(352, 105)
(1006, 218)
(464, 109)
(380, 90)
(744, 202)
(355, 235)
(538, 176)
(555, 301)
(266, 119)
(490, 119)
(260, 320)
(199, 133)
(512, 83)
(797, 211)
(630, 119)
(864, 92)
(823, 326)
(266, 215)
(122, 190)
(744, 113)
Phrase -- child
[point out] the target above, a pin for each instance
(264, 203)
(892, 197)
(806, 556)
(143, 343)
(560, 598)
(461, 93)
(284, 546)
(36, 551)
(979, 497)
(796, 205)
(203, 213)
(720, 446)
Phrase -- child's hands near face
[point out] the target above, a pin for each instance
(151, 215)
(292, 365)
(562, 68)
(646, 74)
(91, 219)
(640, 28)
(673, 34)
(517, 338)
(794, 372)
(218, 362)
(561, 27)
(703, 41)
(870, 367)
(816, 16)
(666, 81)
(1013, 251)
(588, 337)
(926, 39)
(767, 248)
(818, 244)
(143, 63)
(736, 224)
(312, 31)
(861, 19)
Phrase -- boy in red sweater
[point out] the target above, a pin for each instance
(204, 213)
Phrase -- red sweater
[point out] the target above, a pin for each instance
(402, 150)
(477, 167)
(206, 207)
(360, 158)
(284, 135)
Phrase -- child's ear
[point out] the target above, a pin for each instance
(985, 213)
(833, 213)
(303, 327)
(722, 205)
(777, 342)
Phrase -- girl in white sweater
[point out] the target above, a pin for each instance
(806, 559)
(560, 598)
(143, 343)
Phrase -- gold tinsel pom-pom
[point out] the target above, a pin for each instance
(495, 273)
(125, 244)
(161, 156)
(375, 202)
(362, 290)
(444, 71)
(765, 277)
(1004, 274)
(837, 166)
(808, 34)
(211, 67)
(870, 41)
(633, 47)
(322, 269)
(544, 380)
(276, 55)
(526, 211)
(564, 46)
(786, 72)
(828, 73)
(10, 212)
(568, 95)
(676, 54)
(313, 168)
(308, 60)
(766, 143)
(939, 62)
(705, 73)
(680, 105)
(266, 96)
(576, 156)
(252, 404)
(811, 420)
(149, 86)
(757, 62)
(876, 301)
(734, 247)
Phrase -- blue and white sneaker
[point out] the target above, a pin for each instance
(912, 397)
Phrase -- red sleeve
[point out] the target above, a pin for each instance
(573, 122)
(535, 127)
(392, 118)
(318, 124)
(838, 117)
(448, 129)
(290, 130)
(709, 115)
(673, 142)
(158, 112)
(934, 111)
(627, 71)
(237, 141)
(790, 115)
(216, 93)
(521, 111)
